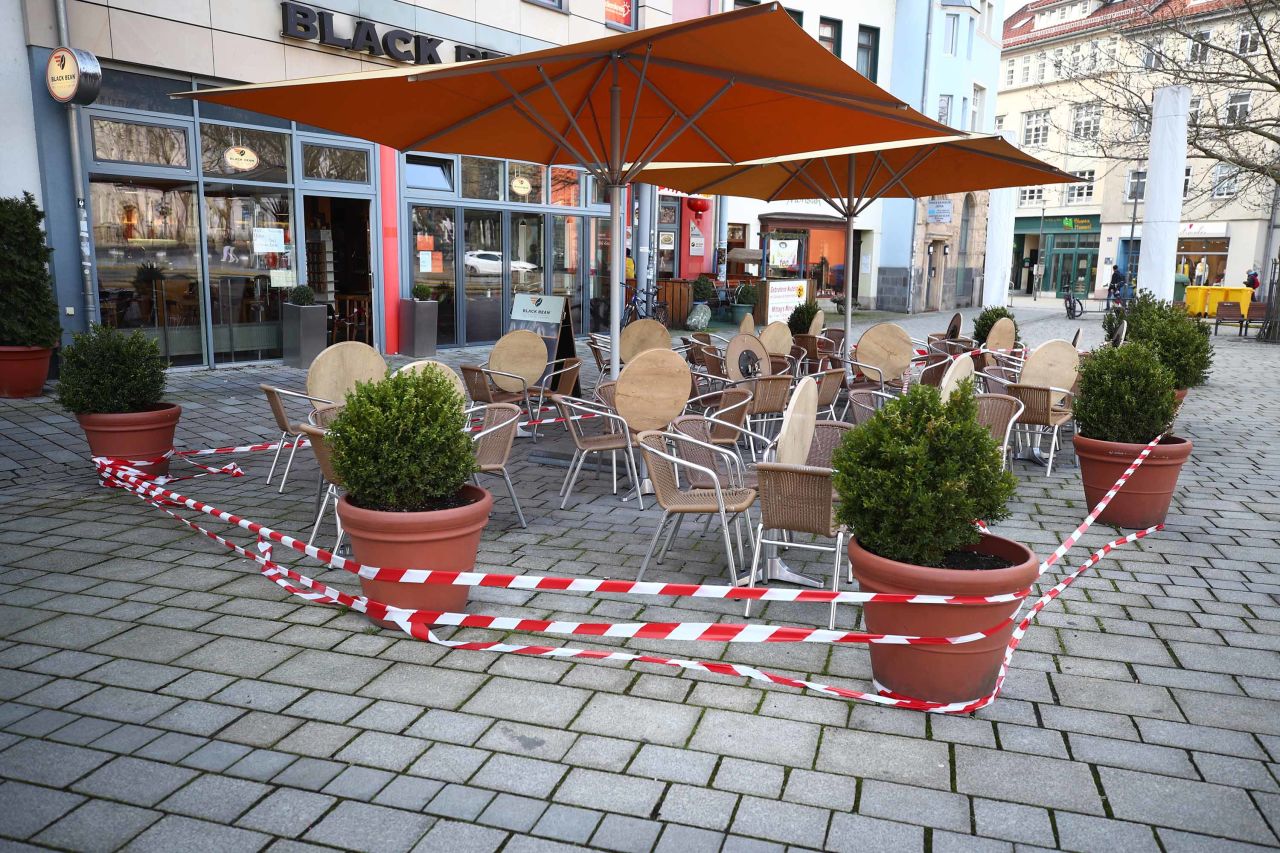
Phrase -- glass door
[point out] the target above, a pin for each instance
(526, 252)
(146, 238)
(483, 256)
(598, 319)
(566, 260)
(433, 264)
(250, 251)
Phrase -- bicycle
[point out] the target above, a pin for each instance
(638, 309)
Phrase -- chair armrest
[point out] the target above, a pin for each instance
(284, 392)
(488, 371)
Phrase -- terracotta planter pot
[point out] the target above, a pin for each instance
(23, 370)
(941, 673)
(1144, 499)
(445, 539)
(134, 435)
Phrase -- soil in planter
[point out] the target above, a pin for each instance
(973, 561)
(459, 500)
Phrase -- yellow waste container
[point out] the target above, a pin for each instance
(1196, 296)
(1217, 295)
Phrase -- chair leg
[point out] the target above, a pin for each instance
(324, 504)
(514, 500)
(613, 466)
(288, 465)
(835, 576)
(577, 468)
(671, 534)
(635, 478)
(564, 484)
(728, 548)
(652, 544)
(276, 458)
(1053, 447)
(757, 544)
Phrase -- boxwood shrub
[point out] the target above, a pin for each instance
(28, 311)
(302, 295)
(913, 478)
(399, 445)
(984, 321)
(802, 316)
(1125, 395)
(1180, 341)
(105, 371)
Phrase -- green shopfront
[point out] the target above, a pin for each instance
(1062, 249)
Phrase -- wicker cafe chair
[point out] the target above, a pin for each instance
(827, 436)
(289, 429)
(935, 365)
(493, 445)
(560, 379)
(728, 409)
(1229, 313)
(600, 355)
(998, 413)
(996, 379)
(1040, 415)
(481, 388)
(726, 500)
(616, 439)
(329, 483)
(861, 405)
(829, 384)
(797, 499)
(701, 429)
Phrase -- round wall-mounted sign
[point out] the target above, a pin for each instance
(521, 186)
(73, 76)
(240, 158)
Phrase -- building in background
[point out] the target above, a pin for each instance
(946, 60)
(1076, 85)
(201, 217)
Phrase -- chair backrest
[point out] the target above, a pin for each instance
(1229, 311)
(324, 454)
(700, 429)
(769, 394)
(713, 361)
(608, 393)
(597, 354)
(1117, 338)
(808, 345)
(829, 383)
(796, 498)
(324, 416)
(935, 365)
(997, 412)
(494, 448)
(277, 408)
(569, 369)
(440, 367)
(662, 471)
(827, 436)
(1038, 403)
(780, 365)
(1003, 375)
(477, 383)
(735, 403)
(862, 405)
(338, 368)
(836, 336)
(953, 327)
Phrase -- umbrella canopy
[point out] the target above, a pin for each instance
(723, 88)
(850, 179)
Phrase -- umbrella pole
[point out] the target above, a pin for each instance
(851, 248)
(617, 271)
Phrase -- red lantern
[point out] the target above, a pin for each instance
(698, 205)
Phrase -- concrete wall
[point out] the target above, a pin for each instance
(20, 165)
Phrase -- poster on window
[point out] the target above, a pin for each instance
(620, 13)
(697, 243)
(784, 297)
(782, 253)
(268, 240)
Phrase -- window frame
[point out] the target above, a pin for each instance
(1035, 127)
(1030, 196)
(1253, 38)
(623, 28)
(1086, 117)
(951, 35)
(1226, 175)
(1082, 193)
(1130, 182)
(1235, 111)
(872, 50)
(837, 40)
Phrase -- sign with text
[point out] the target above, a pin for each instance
(536, 308)
(938, 211)
(784, 297)
(73, 76)
(306, 23)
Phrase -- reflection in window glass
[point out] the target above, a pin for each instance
(599, 192)
(525, 181)
(566, 256)
(483, 251)
(130, 142)
(142, 92)
(428, 173)
(432, 264)
(481, 178)
(220, 112)
(329, 163)
(526, 252)
(250, 155)
(146, 240)
(566, 186)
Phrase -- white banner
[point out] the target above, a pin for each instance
(534, 308)
(784, 296)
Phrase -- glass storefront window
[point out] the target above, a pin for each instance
(599, 192)
(482, 178)
(566, 259)
(484, 250)
(244, 154)
(566, 186)
(221, 112)
(620, 14)
(330, 163)
(598, 318)
(142, 92)
(147, 252)
(134, 142)
(433, 263)
(428, 173)
(526, 182)
(250, 249)
(526, 252)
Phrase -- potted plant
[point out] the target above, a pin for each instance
(29, 327)
(704, 290)
(910, 482)
(305, 327)
(1180, 341)
(744, 301)
(1126, 398)
(404, 460)
(419, 316)
(801, 317)
(983, 322)
(112, 383)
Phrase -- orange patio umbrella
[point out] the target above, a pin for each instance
(849, 179)
(725, 88)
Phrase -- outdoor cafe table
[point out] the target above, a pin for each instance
(652, 391)
(1204, 299)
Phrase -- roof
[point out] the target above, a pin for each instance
(1112, 15)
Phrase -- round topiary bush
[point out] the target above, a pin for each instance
(1180, 341)
(704, 289)
(1125, 395)
(28, 311)
(106, 372)
(398, 444)
(913, 478)
(421, 292)
(745, 294)
(984, 321)
(302, 295)
(802, 317)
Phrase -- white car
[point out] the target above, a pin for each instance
(490, 263)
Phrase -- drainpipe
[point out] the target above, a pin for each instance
(1271, 328)
(924, 95)
(77, 178)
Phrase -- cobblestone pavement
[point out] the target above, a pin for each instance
(162, 695)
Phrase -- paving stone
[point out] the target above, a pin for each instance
(673, 765)
(698, 806)
(1005, 775)
(517, 814)
(125, 706)
(461, 837)
(756, 738)
(259, 695)
(98, 825)
(855, 832)
(460, 801)
(197, 718)
(789, 823)
(27, 809)
(527, 702)
(451, 727)
(627, 834)
(216, 798)
(1087, 834)
(911, 804)
(825, 790)
(216, 756)
(1132, 756)
(309, 773)
(135, 781)
(609, 792)
(47, 763)
(359, 826)
(328, 707)
(515, 774)
(686, 839)
(1182, 804)
(953, 842)
(286, 812)
(636, 718)
(152, 643)
(602, 753)
(408, 792)
(1012, 822)
(1174, 841)
(423, 685)
(886, 757)
(391, 717)
(567, 823)
(377, 749)
(170, 747)
(527, 740)
(261, 764)
(198, 836)
(749, 777)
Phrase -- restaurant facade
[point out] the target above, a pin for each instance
(194, 221)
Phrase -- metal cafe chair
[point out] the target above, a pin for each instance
(289, 429)
(998, 413)
(330, 484)
(616, 439)
(493, 444)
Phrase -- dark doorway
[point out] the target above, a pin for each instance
(338, 264)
